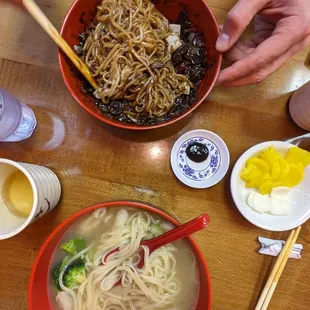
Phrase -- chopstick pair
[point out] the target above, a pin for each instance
(277, 270)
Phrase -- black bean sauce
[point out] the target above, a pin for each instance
(190, 59)
(197, 152)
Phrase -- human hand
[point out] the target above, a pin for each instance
(282, 29)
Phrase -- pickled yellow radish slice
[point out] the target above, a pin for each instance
(276, 170)
(266, 186)
(297, 155)
(267, 176)
(252, 176)
(301, 167)
(246, 172)
(261, 164)
(294, 176)
(285, 167)
(269, 169)
(270, 156)
(255, 180)
(279, 169)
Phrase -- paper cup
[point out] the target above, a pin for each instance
(46, 194)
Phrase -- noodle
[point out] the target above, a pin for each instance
(127, 53)
(154, 286)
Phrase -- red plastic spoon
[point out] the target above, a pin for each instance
(175, 234)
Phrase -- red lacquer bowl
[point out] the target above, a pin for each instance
(38, 285)
(83, 11)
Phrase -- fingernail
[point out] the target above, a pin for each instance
(222, 42)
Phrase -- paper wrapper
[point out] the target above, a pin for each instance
(274, 247)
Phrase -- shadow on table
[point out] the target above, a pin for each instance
(263, 126)
(149, 135)
(264, 272)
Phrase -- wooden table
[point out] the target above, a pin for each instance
(96, 163)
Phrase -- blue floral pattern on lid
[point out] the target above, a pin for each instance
(204, 170)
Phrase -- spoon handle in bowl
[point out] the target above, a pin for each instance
(178, 233)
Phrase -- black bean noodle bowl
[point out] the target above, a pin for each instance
(163, 87)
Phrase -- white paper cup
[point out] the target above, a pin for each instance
(46, 194)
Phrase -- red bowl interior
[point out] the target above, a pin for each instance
(38, 285)
(81, 14)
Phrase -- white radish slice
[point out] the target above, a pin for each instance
(280, 193)
(280, 207)
(262, 203)
(250, 200)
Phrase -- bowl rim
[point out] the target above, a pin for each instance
(109, 204)
(118, 124)
(233, 184)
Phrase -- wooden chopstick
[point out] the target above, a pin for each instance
(44, 22)
(277, 270)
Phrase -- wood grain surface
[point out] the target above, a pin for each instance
(96, 163)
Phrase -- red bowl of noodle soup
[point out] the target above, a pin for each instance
(203, 21)
(42, 293)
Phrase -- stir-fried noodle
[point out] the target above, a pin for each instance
(129, 57)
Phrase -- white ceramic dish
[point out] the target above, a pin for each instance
(299, 196)
(207, 173)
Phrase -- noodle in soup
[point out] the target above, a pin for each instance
(83, 277)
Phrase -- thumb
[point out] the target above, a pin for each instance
(237, 20)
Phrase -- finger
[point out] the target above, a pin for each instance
(261, 36)
(259, 76)
(243, 49)
(237, 20)
(263, 29)
(281, 41)
(240, 50)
